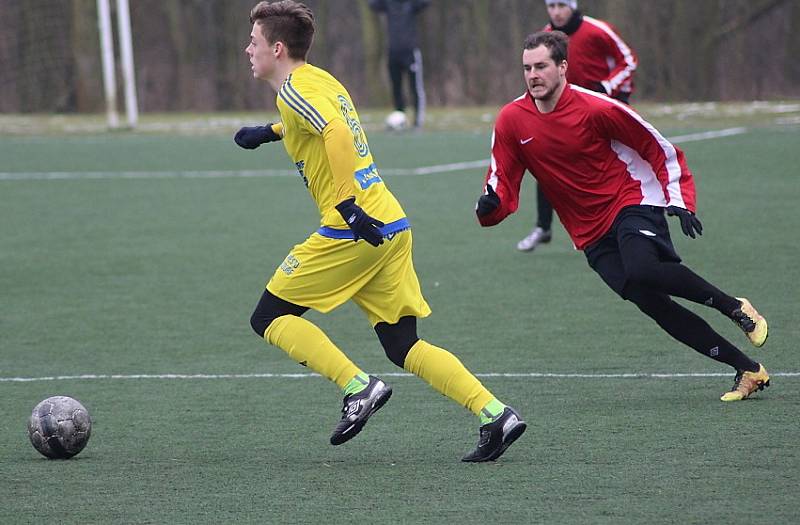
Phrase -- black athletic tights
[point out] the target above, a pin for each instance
(651, 282)
(396, 339)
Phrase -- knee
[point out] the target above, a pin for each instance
(260, 322)
(270, 308)
(397, 339)
(397, 353)
(648, 302)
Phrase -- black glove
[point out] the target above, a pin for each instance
(363, 226)
(253, 137)
(689, 222)
(487, 203)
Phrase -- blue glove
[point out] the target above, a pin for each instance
(253, 137)
(363, 226)
(487, 203)
(689, 222)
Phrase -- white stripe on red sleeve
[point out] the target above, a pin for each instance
(671, 164)
(630, 62)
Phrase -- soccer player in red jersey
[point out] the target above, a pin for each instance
(611, 176)
(600, 60)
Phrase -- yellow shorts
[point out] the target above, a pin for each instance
(323, 273)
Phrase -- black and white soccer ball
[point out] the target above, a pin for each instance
(59, 427)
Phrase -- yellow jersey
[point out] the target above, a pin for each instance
(308, 100)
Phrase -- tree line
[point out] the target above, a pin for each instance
(189, 54)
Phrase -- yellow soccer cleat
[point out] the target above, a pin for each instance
(746, 383)
(751, 322)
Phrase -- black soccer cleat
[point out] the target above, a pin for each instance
(358, 407)
(497, 436)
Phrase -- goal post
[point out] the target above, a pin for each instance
(107, 56)
(109, 64)
(126, 53)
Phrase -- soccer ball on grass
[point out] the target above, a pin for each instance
(59, 427)
(396, 121)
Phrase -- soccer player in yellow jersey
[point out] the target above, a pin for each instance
(362, 250)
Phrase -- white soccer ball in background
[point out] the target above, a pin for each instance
(396, 121)
(59, 427)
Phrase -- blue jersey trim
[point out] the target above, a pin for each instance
(387, 231)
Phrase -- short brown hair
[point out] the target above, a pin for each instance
(555, 41)
(287, 21)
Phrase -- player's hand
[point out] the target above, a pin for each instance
(253, 137)
(488, 202)
(363, 226)
(689, 221)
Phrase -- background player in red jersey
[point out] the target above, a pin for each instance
(610, 176)
(598, 60)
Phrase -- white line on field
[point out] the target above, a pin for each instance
(524, 375)
(693, 137)
(220, 174)
(216, 174)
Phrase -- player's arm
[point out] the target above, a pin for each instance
(667, 162)
(500, 196)
(625, 61)
(251, 137)
(339, 148)
(341, 157)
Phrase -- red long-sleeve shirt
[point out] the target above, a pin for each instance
(592, 157)
(598, 55)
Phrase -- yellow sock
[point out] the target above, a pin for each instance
(445, 373)
(309, 346)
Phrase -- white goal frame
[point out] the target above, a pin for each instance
(109, 66)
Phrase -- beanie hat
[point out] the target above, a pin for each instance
(573, 4)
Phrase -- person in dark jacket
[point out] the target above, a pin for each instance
(405, 58)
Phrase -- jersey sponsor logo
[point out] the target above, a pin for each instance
(368, 176)
(359, 138)
(525, 141)
(290, 264)
(301, 166)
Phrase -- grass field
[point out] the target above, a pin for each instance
(148, 268)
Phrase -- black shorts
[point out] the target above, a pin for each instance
(638, 236)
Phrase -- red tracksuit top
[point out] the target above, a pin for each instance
(597, 54)
(592, 156)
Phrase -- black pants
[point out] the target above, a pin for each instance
(544, 210)
(408, 63)
(637, 260)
